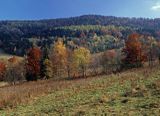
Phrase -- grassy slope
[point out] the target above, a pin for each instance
(4, 56)
(129, 93)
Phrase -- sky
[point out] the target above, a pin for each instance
(49, 9)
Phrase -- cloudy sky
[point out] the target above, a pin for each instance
(44, 9)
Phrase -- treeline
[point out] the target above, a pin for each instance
(45, 28)
(60, 62)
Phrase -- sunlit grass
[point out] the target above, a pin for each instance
(135, 92)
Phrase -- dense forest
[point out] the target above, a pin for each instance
(97, 33)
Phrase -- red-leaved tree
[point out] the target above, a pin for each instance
(2, 70)
(33, 64)
(134, 56)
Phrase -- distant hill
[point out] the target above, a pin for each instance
(18, 29)
(17, 33)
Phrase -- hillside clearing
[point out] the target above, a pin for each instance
(130, 93)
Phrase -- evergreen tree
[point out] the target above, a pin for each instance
(46, 65)
(47, 69)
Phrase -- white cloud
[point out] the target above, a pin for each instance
(156, 7)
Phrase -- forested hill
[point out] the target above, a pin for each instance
(16, 29)
(88, 20)
(105, 21)
(20, 35)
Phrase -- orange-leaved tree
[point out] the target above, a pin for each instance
(13, 60)
(15, 70)
(134, 56)
(33, 64)
(110, 60)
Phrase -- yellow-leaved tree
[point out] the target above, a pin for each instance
(81, 59)
(59, 58)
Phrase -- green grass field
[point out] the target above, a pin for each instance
(131, 93)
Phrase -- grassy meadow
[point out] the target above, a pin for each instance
(132, 93)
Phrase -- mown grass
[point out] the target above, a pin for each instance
(131, 93)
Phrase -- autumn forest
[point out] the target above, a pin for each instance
(78, 47)
(59, 52)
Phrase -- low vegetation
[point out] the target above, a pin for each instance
(134, 92)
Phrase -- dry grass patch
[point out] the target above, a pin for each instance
(91, 96)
